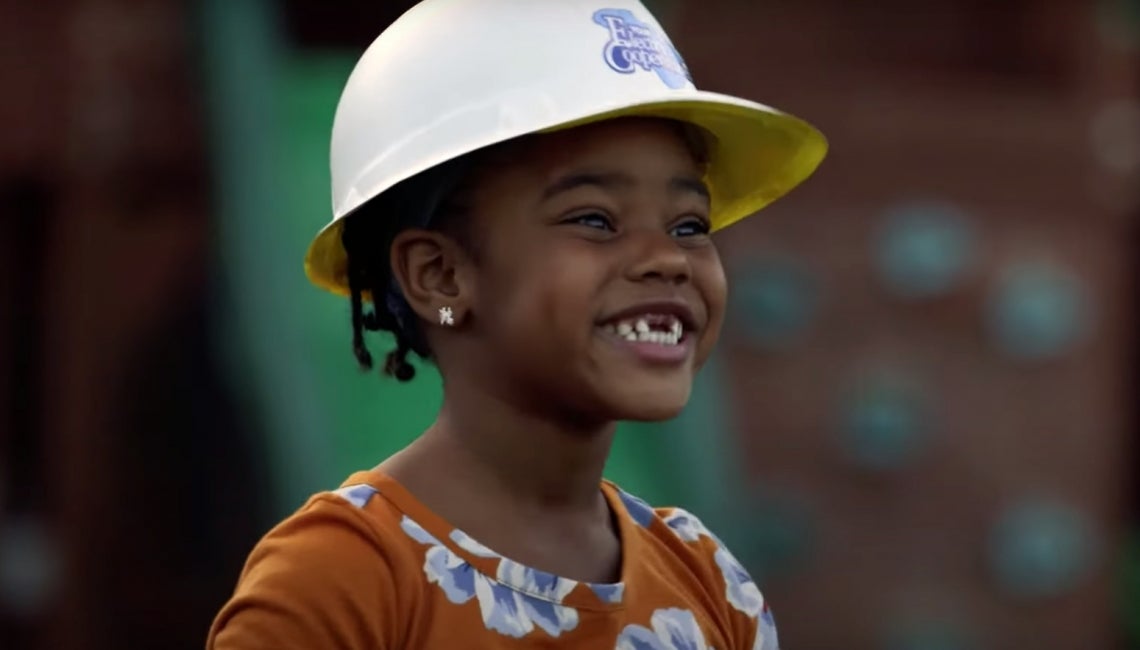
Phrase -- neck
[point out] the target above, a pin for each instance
(528, 459)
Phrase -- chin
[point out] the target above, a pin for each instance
(651, 405)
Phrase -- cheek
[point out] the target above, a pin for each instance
(568, 283)
(540, 293)
(718, 293)
(713, 285)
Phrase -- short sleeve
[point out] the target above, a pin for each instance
(747, 606)
(321, 579)
(751, 623)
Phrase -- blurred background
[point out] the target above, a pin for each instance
(918, 432)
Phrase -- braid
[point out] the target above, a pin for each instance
(427, 200)
(397, 364)
(369, 273)
(361, 320)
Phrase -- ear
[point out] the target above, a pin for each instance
(429, 268)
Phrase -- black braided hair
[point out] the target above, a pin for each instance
(427, 200)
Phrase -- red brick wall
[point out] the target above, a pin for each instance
(988, 108)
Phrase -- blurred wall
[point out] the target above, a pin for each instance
(932, 353)
(130, 493)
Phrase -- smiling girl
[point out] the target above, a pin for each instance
(524, 193)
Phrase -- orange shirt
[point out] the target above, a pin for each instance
(368, 567)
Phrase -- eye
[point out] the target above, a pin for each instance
(596, 220)
(690, 227)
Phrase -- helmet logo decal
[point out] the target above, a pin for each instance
(634, 44)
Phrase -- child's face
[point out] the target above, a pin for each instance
(583, 235)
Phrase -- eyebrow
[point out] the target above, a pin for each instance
(616, 180)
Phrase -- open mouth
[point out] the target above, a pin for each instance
(662, 329)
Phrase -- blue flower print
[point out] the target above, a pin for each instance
(505, 610)
(542, 592)
(516, 614)
(609, 594)
(687, 526)
(468, 543)
(540, 584)
(766, 638)
(739, 589)
(669, 629)
(357, 495)
(442, 567)
(641, 511)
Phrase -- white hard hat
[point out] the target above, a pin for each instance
(453, 76)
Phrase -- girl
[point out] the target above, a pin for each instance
(523, 193)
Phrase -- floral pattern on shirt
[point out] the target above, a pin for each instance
(640, 511)
(609, 593)
(669, 629)
(539, 584)
(739, 589)
(505, 610)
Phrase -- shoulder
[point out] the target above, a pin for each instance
(351, 527)
(671, 525)
(682, 535)
(325, 571)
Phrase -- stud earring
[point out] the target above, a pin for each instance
(445, 317)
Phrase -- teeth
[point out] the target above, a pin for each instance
(660, 338)
(639, 330)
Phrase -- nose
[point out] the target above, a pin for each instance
(656, 256)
